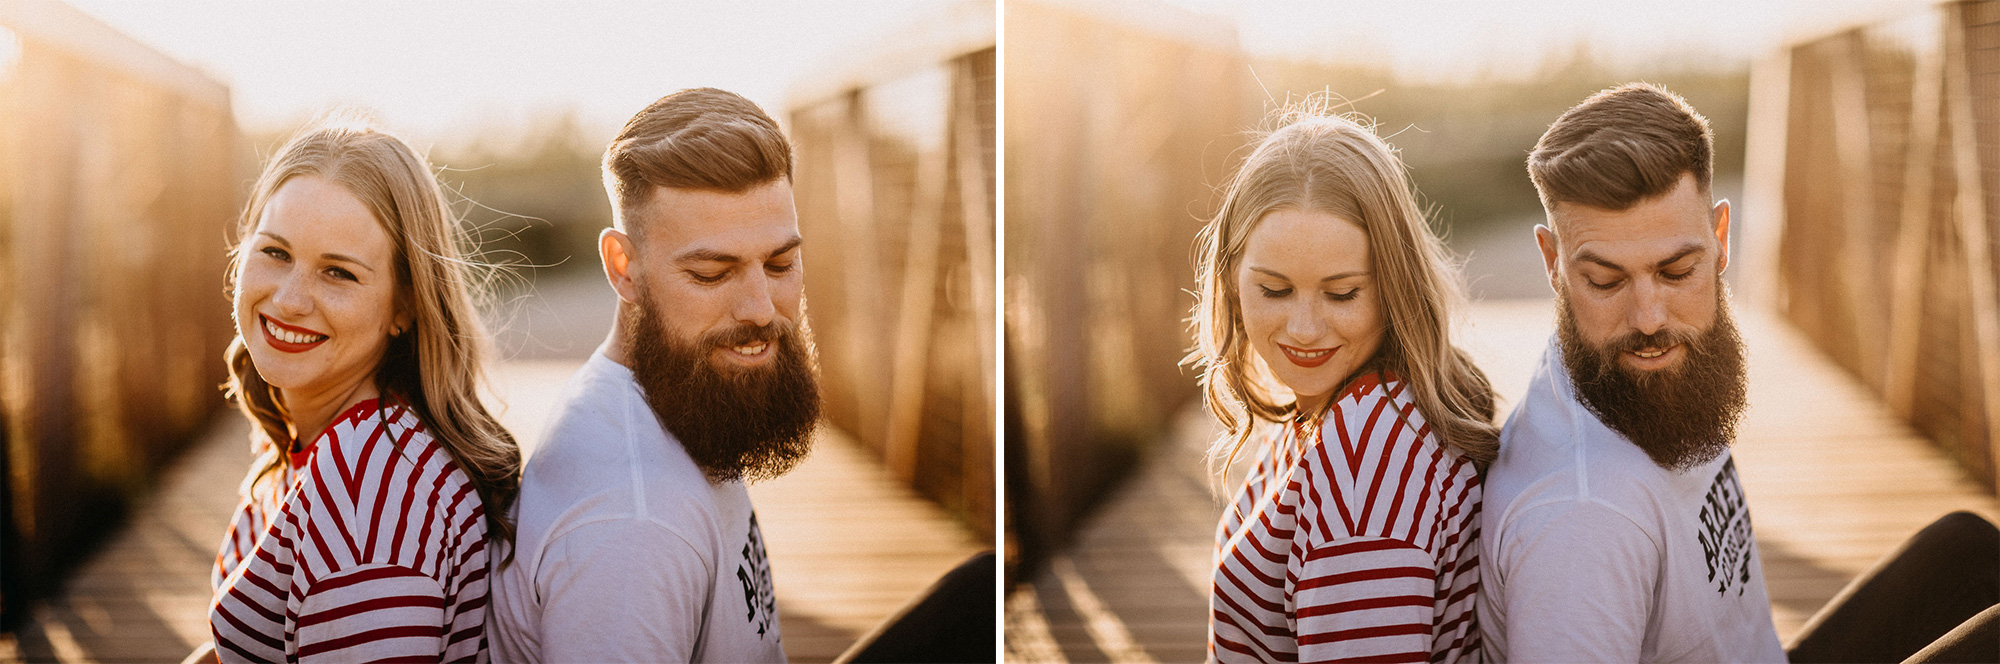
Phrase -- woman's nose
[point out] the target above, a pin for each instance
(1305, 325)
(292, 297)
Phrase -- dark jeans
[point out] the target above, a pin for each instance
(1935, 599)
(950, 622)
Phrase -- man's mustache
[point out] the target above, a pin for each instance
(747, 334)
(1635, 341)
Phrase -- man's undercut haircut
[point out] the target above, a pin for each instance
(1622, 146)
(699, 138)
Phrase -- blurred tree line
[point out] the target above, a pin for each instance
(1466, 142)
(529, 195)
(535, 199)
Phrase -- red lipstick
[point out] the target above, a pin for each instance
(265, 323)
(1306, 357)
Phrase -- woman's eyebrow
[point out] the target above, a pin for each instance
(329, 255)
(347, 259)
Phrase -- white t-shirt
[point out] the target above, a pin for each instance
(623, 551)
(1596, 554)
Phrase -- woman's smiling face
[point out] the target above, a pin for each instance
(1310, 307)
(316, 289)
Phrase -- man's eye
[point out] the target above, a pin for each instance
(707, 279)
(1672, 276)
(1275, 293)
(778, 268)
(1603, 287)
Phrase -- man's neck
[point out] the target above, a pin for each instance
(616, 347)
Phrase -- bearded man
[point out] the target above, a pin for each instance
(637, 540)
(1615, 528)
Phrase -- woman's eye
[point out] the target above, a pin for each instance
(341, 274)
(1275, 292)
(277, 253)
(1343, 297)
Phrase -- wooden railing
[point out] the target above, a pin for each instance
(1119, 121)
(119, 182)
(1890, 176)
(895, 189)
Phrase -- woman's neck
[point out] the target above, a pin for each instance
(1304, 405)
(312, 411)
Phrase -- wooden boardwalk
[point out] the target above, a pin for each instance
(848, 546)
(1834, 482)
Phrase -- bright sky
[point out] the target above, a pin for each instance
(440, 68)
(445, 68)
(1457, 39)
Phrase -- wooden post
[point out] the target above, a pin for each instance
(914, 314)
(1899, 367)
(1852, 139)
(854, 203)
(1984, 307)
(1762, 217)
(976, 212)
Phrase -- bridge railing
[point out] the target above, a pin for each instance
(1889, 167)
(895, 187)
(119, 181)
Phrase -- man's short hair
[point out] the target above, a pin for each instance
(1622, 146)
(698, 138)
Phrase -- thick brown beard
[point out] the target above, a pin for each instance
(1682, 416)
(748, 425)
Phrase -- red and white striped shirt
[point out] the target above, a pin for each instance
(368, 545)
(1366, 551)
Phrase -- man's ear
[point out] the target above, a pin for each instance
(1721, 218)
(1545, 237)
(615, 251)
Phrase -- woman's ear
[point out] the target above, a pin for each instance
(400, 323)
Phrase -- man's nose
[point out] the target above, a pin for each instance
(1649, 306)
(754, 305)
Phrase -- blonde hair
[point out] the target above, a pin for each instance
(434, 367)
(1331, 164)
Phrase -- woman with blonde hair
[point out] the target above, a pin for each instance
(1323, 335)
(364, 529)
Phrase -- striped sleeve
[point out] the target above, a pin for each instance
(1365, 599)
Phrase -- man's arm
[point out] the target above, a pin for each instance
(1580, 580)
(622, 591)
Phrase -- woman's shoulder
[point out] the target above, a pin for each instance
(1376, 415)
(380, 439)
(1371, 399)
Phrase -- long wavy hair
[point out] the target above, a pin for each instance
(436, 366)
(1319, 162)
